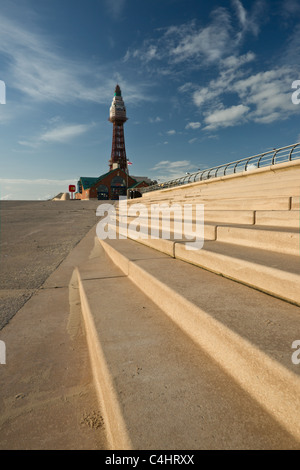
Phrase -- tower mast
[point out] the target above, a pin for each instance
(117, 116)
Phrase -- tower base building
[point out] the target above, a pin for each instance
(111, 185)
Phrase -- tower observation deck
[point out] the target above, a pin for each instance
(117, 116)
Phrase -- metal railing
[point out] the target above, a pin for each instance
(272, 157)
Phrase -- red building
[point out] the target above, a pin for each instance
(111, 185)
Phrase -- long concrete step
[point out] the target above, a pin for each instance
(279, 239)
(173, 227)
(295, 205)
(247, 333)
(279, 218)
(227, 216)
(234, 203)
(172, 370)
(272, 272)
(272, 238)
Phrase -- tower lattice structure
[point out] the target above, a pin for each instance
(117, 116)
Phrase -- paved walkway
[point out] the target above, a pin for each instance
(36, 236)
(48, 399)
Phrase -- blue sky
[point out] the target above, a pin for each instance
(204, 83)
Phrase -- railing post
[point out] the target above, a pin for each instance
(274, 156)
(290, 155)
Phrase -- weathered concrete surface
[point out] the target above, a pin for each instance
(47, 399)
(36, 236)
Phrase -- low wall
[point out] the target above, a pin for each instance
(272, 181)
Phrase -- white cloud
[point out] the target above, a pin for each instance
(151, 53)
(211, 42)
(37, 69)
(263, 97)
(237, 61)
(65, 133)
(241, 12)
(146, 54)
(226, 117)
(205, 94)
(171, 132)
(166, 169)
(268, 93)
(7, 197)
(249, 20)
(186, 87)
(229, 74)
(193, 125)
(171, 165)
(62, 134)
(153, 120)
(197, 45)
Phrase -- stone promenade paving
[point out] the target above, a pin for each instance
(35, 238)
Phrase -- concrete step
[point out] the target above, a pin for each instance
(231, 203)
(245, 189)
(219, 202)
(295, 205)
(175, 228)
(278, 218)
(278, 239)
(239, 328)
(227, 216)
(159, 365)
(274, 273)
(272, 238)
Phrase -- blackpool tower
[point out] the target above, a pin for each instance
(117, 116)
